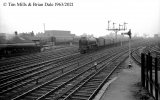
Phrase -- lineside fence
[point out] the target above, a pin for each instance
(149, 75)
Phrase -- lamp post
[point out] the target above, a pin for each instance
(122, 34)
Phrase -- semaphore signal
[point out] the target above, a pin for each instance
(128, 33)
(116, 30)
(122, 29)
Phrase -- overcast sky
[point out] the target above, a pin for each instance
(85, 16)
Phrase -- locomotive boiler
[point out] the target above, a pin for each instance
(87, 43)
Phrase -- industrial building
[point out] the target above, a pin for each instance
(57, 36)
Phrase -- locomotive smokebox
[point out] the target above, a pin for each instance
(87, 43)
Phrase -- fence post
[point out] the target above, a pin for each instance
(143, 69)
(151, 82)
(156, 79)
(147, 63)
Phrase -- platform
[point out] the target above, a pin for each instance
(125, 86)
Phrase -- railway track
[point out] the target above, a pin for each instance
(155, 51)
(20, 71)
(136, 55)
(67, 73)
(20, 67)
(28, 80)
(17, 58)
(37, 75)
(65, 80)
(37, 68)
(144, 48)
(32, 74)
(31, 59)
(91, 86)
(19, 75)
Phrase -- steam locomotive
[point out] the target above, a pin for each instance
(87, 44)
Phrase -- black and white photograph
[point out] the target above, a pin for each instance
(79, 49)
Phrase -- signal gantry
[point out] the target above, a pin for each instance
(116, 30)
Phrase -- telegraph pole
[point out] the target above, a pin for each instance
(122, 35)
(44, 27)
(125, 25)
(108, 24)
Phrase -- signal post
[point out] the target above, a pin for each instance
(116, 30)
(129, 34)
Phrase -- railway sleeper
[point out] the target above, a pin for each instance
(71, 75)
(66, 94)
(79, 98)
(100, 76)
(49, 98)
(19, 89)
(94, 81)
(30, 98)
(58, 83)
(82, 91)
(15, 91)
(73, 88)
(90, 91)
(50, 86)
(82, 94)
(40, 92)
(44, 89)
(87, 89)
(65, 90)
(26, 86)
(36, 94)
(89, 86)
